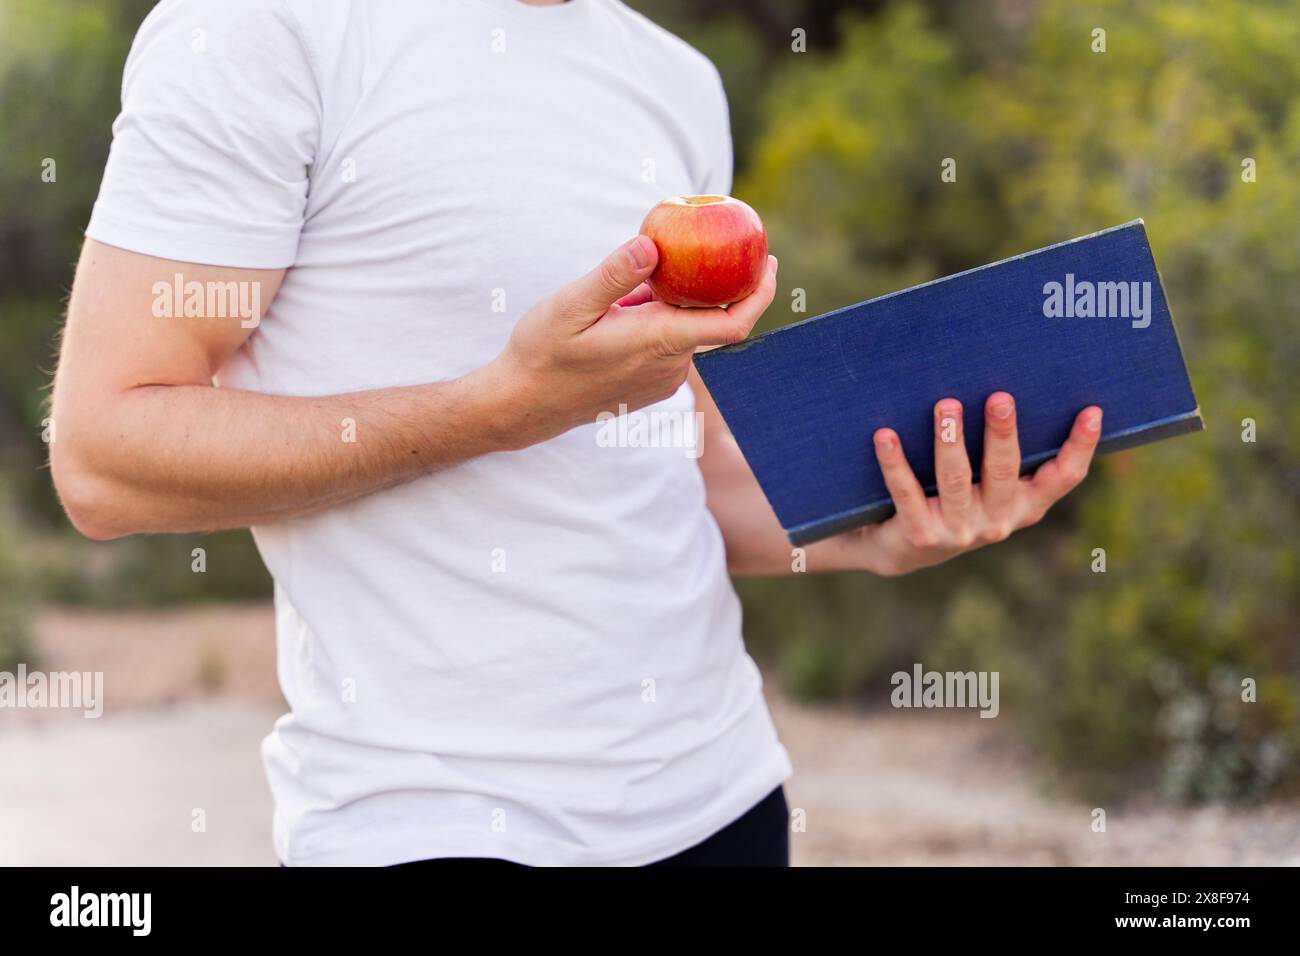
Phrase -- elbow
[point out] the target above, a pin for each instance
(90, 526)
(87, 499)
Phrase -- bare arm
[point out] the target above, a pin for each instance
(925, 530)
(755, 543)
(145, 443)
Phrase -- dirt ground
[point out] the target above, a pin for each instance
(190, 695)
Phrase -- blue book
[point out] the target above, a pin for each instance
(1079, 323)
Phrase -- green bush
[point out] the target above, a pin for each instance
(1135, 674)
(60, 71)
(15, 594)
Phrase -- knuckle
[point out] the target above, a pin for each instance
(954, 482)
(608, 278)
(963, 537)
(1074, 473)
(663, 342)
(997, 532)
(735, 332)
(1002, 469)
(921, 538)
(1005, 430)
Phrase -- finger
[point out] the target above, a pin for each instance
(951, 464)
(751, 307)
(757, 301)
(638, 296)
(1000, 469)
(684, 330)
(583, 301)
(909, 497)
(1070, 466)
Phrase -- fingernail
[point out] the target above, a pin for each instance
(776, 264)
(884, 440)
(949, 410)
(1093, 421)
(1002, 408)
(639, 253)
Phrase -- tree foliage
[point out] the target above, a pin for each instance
(1138, 669)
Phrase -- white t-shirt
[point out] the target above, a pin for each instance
(533, 655)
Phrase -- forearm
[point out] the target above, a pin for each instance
(176, 458)
(756, 544)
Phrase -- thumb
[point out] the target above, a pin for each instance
(584, 300)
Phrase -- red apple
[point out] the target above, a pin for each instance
(712, 250)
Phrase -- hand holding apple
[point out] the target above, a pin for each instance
(605, 341)
(712, 250)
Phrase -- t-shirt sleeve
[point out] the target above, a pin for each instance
(218, 131)
(717, 180)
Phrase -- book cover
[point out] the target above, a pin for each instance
(1079, 323)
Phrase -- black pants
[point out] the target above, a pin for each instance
(759, 838)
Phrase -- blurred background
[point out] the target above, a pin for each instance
(1121, 690)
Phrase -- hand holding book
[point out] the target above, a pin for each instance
(964, 515)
